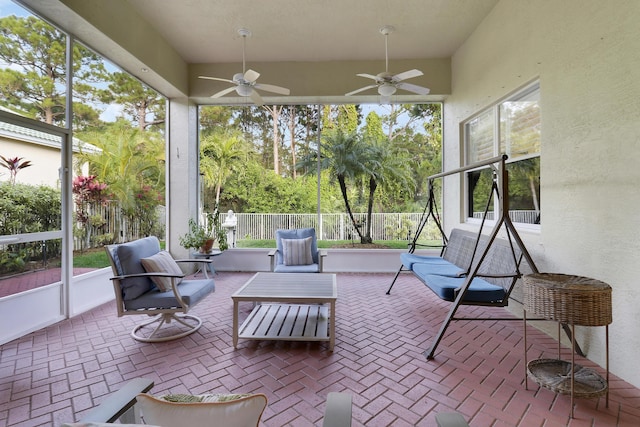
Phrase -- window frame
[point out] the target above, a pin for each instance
(495, 109)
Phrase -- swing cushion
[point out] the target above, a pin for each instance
(439, 269)
(408, 260)
(479, 291)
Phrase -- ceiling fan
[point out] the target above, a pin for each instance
(388, 83)
(245, 83)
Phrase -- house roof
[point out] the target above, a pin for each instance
(11, 131)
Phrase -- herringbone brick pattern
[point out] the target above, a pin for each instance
(60, 372)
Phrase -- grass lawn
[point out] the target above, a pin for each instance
(97, 257)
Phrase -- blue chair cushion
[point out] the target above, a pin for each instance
(310, 268)
(191, 291)
(127, 257)
(409, 259)
(479, 291)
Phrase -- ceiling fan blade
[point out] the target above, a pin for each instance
(420, 90)
(362, 89)
(256, 98)
(368, 76)
(216, 78)
(223, 92)
(251, 76)
(407, 75)
(272, 88)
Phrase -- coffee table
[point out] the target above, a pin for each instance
(301, 307)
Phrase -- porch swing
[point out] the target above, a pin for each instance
(473, 268)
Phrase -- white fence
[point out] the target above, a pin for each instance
(526, 217)
(338, 226)
(333, 226)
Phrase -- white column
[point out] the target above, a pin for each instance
(182, 170)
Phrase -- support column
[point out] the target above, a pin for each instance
(182, 170)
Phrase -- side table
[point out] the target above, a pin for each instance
(206, 266)
(573, 300)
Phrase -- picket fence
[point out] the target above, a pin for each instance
(329, 226)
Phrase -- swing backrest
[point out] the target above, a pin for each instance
(501, 266)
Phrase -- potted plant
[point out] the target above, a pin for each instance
(202, 237)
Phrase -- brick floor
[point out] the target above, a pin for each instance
(60, 372)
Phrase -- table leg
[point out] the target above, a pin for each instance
(204, 269)
(235, 323)
(332, 326)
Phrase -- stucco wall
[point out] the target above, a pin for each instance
(586, 54)
(45, 163)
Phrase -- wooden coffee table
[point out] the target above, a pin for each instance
(291, 306)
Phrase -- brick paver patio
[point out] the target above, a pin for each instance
(58, 373)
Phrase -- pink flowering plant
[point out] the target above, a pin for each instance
(89, 195)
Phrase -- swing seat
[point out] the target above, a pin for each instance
(408, 260)
(447, 288)
(446, 275)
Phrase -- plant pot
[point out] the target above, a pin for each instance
(206, 247)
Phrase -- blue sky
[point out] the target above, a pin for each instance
(7, 7)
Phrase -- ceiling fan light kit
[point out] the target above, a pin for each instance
(386, 90)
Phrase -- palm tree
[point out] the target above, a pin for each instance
(221, 155)
(386, 168)
(130, 162)
(341, 154)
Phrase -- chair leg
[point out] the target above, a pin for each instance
(193, 323)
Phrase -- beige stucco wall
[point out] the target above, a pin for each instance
(45, 163)
(586, 54)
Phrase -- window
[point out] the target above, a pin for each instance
(511, 127)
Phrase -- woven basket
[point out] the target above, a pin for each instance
(555, 375)
(568, 299)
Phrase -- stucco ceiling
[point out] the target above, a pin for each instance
(205, 31)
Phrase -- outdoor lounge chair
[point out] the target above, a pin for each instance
(297, 252)
(148, 281)
(128, 405)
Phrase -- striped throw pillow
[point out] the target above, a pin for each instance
(162, 262)
(297, 251)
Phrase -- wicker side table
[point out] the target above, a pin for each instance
(572, 300)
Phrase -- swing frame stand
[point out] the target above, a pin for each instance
(499, 267)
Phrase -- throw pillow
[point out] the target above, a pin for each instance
(162, 262)
(297, 251)
(241, 412)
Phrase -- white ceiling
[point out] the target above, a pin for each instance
(205, 31)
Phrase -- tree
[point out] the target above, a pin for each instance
(221, 154)
(88, 194)
(36, 52)
(131, 163)
(383, 167)
(275, 111)
(143, 105)
(344, 155)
